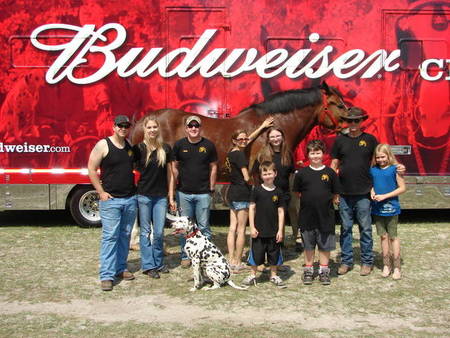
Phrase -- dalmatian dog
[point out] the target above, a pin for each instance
(207, 260)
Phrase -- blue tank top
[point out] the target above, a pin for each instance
(385, 181)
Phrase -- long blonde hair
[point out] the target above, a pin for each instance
(156, 143)
(387, 150)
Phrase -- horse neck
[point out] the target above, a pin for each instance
(298, 123)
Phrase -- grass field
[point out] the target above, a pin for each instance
(49, 287)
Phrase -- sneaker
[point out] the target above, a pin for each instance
(106, 285)
(249, 280)
(185, 263)
(153, 274)
(125, 275)
(164, 269)
(343, 269)
(308, 276)
(396, 275)
(324, 277)
(365, 270)
(277, 281)
(386, 271)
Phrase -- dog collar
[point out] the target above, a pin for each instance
(192, 234)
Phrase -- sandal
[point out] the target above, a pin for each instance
(249, 280)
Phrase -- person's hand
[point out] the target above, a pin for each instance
(268, 122)
(401, 169)
(379, 198)
(104, 196)
(336, 200)
(279, 237)
(173, 206)
(253, 232)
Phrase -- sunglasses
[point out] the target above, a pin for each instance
(352, 120)
(193, 125)
(123, 125)
(241, 139)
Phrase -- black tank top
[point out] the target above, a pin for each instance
(117, 170)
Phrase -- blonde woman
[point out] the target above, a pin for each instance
(155, 189)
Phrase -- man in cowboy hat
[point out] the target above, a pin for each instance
(352, 154)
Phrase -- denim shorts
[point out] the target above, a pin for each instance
(239, 205)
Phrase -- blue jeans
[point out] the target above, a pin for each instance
(117, 215)
(357, 207)
(195, 206)
(152, 216)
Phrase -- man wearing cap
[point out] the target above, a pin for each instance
(118, 205)
(352, 155)
(196, 171)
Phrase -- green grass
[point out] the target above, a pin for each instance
(49, 287)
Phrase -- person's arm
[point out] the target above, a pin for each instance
(175, 171)
(280, 232)
(335, 163)
(244, 171)
(251, 220)
(268, 122)
(212, 175)
(400, 190)
(401, 169)
(171, 187)
(95, 159)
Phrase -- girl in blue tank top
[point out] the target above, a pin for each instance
(387, 186)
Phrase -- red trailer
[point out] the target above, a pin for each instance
(68, 66)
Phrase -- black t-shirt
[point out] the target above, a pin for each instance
(116, 170)
(355, 155)
(317, 188)
(283, 172)
(239, 189)
(193, 164)
(153, 181)
(267, 203)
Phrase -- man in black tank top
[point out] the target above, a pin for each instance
(118, 205)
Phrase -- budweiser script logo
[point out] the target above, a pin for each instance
(73, 54)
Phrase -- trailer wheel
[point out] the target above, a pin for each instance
(84, 207)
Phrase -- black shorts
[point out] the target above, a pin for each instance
(325, 241)
(261, 247)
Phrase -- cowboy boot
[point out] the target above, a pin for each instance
(397, 272)
(387, 266)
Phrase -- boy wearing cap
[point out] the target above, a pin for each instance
(118, 205)
(196, 171)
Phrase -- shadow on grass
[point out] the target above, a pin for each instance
(44, 218)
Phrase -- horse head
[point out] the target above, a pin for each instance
(333, 107)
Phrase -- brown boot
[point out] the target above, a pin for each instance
(365, 270)
(106, 285)
(125, 275)
(343, 269)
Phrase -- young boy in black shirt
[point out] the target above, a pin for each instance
(318, 188)
(266, 218)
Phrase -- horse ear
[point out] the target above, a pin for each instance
(325, 87)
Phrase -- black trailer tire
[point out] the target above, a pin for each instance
(84, 207)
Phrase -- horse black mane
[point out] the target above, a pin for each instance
(289, 100)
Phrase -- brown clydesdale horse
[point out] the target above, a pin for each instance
(296, 112)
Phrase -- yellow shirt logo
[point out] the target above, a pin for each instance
(185, 150)
(130, 153)
(362, 143)
(202, 150)
(275, 198)
(325, 177)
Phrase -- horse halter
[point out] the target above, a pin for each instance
(327, 113)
